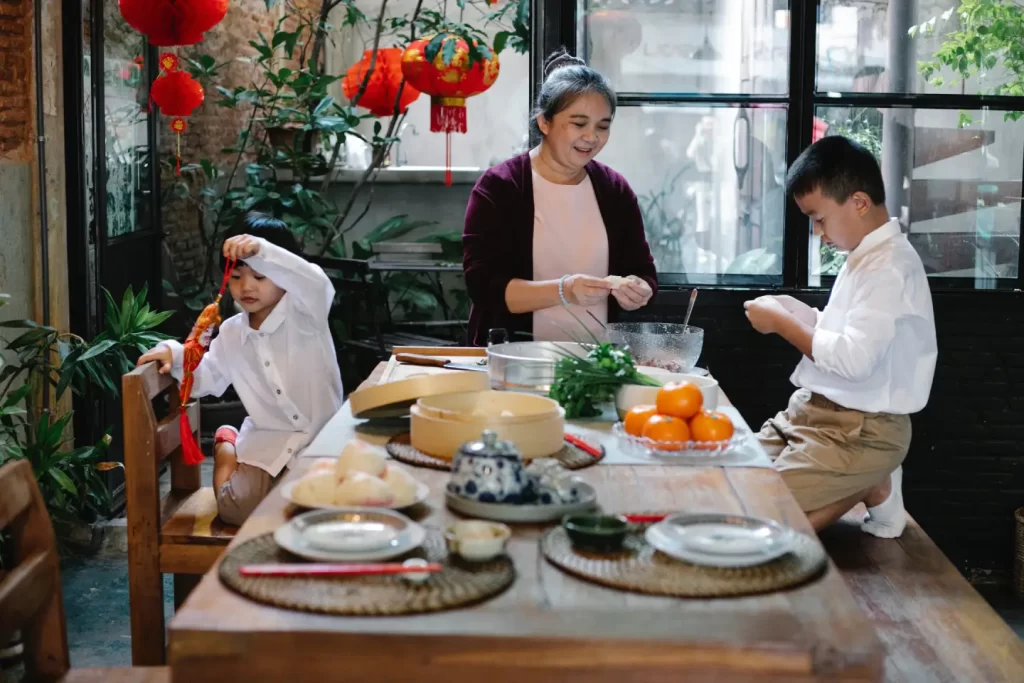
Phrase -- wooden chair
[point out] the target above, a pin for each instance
(178, 534)
(30, 593)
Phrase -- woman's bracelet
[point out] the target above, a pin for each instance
(561, 289)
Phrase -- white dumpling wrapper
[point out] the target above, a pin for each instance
(315, 489)
(402, 484)
(359, 456)
(363, 490)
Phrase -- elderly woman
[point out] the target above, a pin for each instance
(545, 230)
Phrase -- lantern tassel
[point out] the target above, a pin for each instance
(448, 159)
(177, 161)
(191, 454)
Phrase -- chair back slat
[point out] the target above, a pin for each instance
(30, 593)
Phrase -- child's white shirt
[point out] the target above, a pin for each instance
(874, 344)
(286, 373)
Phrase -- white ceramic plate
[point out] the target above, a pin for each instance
(524, 514)
(302, 536)
(720, 540)
(288, 490)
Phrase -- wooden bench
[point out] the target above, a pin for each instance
(179, 534)
(30, 592)
(934, 625)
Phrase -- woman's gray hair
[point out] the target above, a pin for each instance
(566, 77)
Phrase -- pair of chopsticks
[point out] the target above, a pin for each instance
(335, 569)
(583, 445)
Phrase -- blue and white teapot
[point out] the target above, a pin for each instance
(491, 471)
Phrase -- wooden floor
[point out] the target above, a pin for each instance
(935, 626)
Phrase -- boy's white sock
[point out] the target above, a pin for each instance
(888, 519)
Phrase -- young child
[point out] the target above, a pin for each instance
(279, 356)
(869, 357)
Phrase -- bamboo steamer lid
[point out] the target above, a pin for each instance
(394, 398)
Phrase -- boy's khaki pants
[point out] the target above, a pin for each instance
(826, 452)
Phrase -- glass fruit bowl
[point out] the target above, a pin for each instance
(638, 445)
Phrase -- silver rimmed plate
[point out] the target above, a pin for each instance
(523, 514)
(288, 491)
(720, 540)
(350, 535)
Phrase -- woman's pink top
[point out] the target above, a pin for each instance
(569, 237)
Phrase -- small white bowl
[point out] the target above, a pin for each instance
(635, 395)
(477, 540)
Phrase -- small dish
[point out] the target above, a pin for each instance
(525, 513)
(294, 536)
(350, 536)
(600, 533)
(415, 577)
(477, 540)
(721, 540)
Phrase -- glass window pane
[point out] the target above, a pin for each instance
(710, 185)
(956, 189)
(702, 46)
(900, 46)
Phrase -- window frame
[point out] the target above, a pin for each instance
(554, 25)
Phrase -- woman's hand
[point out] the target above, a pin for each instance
(241, 247)
(634, 294)
(584, 290)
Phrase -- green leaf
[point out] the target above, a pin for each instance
(500, 39)
(98, 349)
(433, 47)
(448, 51)
(63, 480)
(17, 396)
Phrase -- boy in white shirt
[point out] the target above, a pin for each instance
(869, 357)
(279, 356)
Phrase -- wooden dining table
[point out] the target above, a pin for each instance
(548, 626)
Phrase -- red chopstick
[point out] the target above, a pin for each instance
(583, 445)
(334, 569)
(644, 519)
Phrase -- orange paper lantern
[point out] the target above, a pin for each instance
(177, 94)
(173, 22)
(448, 84)
(382, 88)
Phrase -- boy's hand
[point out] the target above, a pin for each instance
(161, 355)
(798, 308)
(241, 247)
(765, 314)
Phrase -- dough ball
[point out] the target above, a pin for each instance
(359, 456)
(363, 490)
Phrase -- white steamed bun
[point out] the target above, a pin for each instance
(359, 456)
(402, 485)
(361, 489)
(315, 489)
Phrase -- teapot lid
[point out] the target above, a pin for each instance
(490, 445)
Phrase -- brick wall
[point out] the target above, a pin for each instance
(964, 475)
(15, 81)
(211, 128)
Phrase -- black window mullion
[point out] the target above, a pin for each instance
(800, 126)
(632, 99)
(922, 101)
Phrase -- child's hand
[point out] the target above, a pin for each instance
(241, 247)
(161, 355)
(764, 313)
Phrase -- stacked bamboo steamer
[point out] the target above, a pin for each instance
(442, 423)
(449, 408)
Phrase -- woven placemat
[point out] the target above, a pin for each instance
(457, 585)
(400, 448)
(639, 568)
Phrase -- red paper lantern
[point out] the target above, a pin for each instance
(177, 94)
(382, 88)
(173, 22)
(448, 84)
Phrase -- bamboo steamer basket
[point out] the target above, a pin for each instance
(441, 424)
(394, 399)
